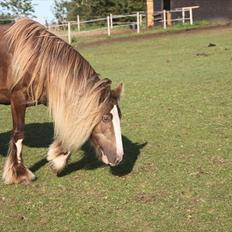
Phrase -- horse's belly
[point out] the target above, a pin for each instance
(4, 66)
(4, 92)
(4, 98)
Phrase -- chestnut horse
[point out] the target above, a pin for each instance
(37, 67)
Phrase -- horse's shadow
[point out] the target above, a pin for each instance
(41, 134)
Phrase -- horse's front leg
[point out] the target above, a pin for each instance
(14, 170)
(57, 156)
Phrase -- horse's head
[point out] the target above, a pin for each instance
(106, 136)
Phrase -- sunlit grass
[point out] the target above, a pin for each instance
(177, 117)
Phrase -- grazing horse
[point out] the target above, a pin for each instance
(37, 67)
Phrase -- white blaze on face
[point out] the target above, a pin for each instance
(117, 131)
(19, 149)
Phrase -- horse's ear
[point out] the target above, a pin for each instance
(118, 91)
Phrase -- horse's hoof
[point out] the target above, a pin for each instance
(19, 174)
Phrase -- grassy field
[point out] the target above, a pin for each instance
(177, 128)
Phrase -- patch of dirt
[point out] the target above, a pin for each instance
(150, 197)
(202, 54)
(218, 28)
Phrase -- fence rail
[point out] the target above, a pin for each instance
(7, 20)
(107, 24)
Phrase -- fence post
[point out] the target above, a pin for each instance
(169, 18)
(138, 22)
(108, 25)
(141, 19)
(78, 23)
(183, 15)
(111, 21)
(69, 33)
(191, 15)
(165, 19)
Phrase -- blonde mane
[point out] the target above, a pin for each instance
(76, 97)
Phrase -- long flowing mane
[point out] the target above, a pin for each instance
(76, 96)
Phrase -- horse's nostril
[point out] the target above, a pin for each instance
(118, 160)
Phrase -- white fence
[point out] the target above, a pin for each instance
(104, 25)
(107, 25)
(184, 14)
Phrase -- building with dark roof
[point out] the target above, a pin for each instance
(208, 9)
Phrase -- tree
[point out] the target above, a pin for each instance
(69, 9)
(17, 7)
(59, 10)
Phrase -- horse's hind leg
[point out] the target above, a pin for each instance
(14, 169)
(57, 156)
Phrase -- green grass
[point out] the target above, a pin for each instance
(177, 127)
(125, 32)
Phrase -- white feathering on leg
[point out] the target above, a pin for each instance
(19, 149)
(57, 157)
(59, 163)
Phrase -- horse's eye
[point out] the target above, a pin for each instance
(107, 118)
